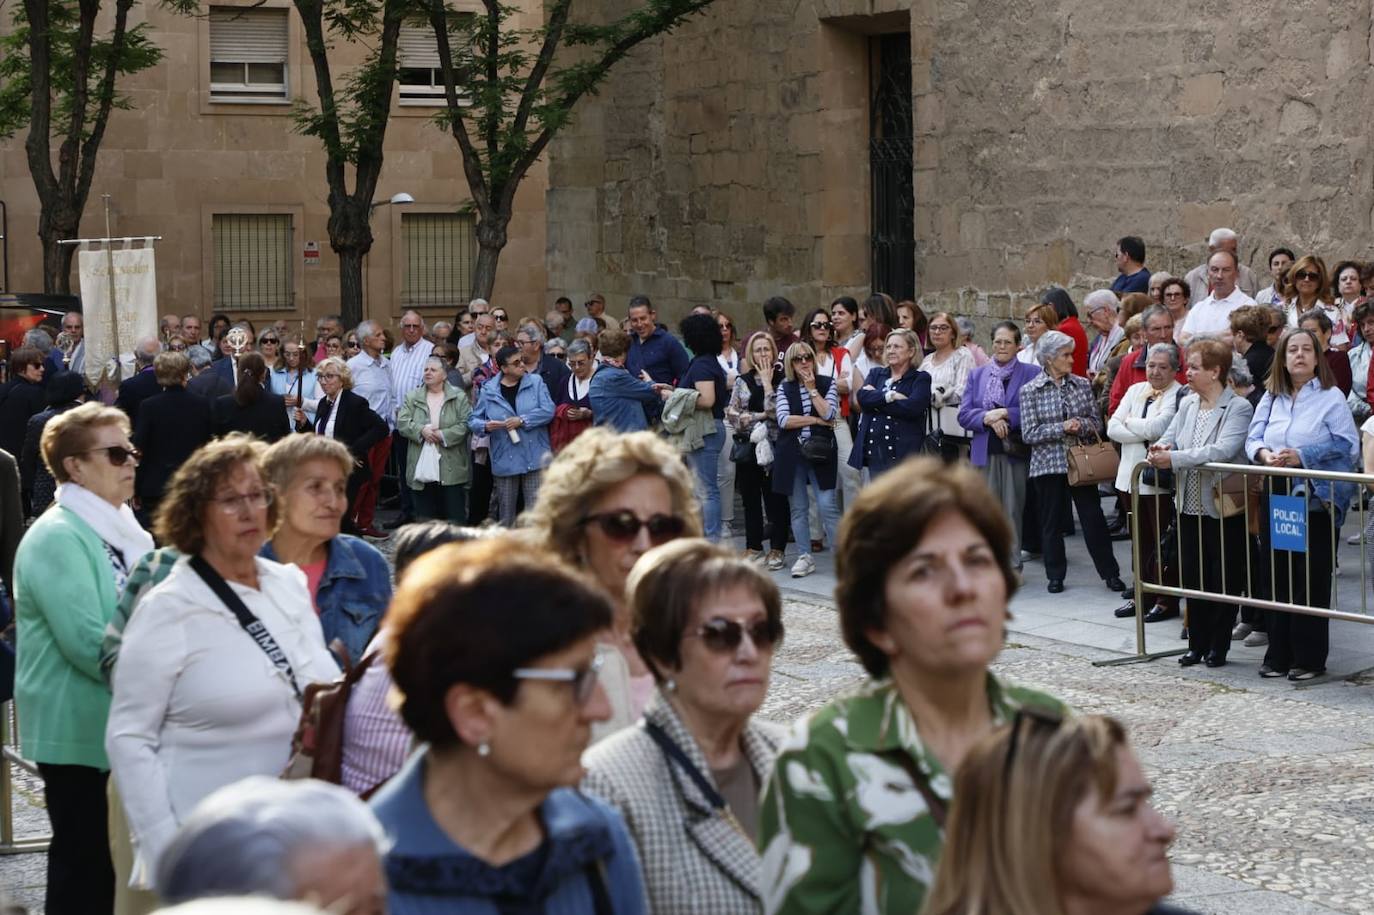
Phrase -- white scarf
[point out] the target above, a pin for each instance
(116, 526)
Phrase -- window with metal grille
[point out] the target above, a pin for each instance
(421, 79)
(248, 51)
(440, 253)
(253, 261)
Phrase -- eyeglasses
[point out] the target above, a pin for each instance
(247, 502)
(411, 326)
(1175, 294)
(721, 635)
(561, 357)
(353, 344)
(177, 348)
(265, 340)
(1026, 716)
(625, 525)
(117, 455)
(940, 327)
(583, 680)
(328, 375)
(820, 325)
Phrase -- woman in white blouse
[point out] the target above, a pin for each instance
(948, 366)
(205, 695)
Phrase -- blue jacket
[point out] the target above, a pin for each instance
(428, 874)
(971, 410)
(534, 406)
(619, 399)
(908, 417)
(355, 590)
(662, 356)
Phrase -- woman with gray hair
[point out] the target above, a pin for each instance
(298, 840)
(966, 329)
(572, 413)
(1057, 410)
(1142, 416)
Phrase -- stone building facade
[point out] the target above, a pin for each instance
(193, 166)
(734, 159)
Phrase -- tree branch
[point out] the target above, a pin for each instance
(553, 35)
(105, 96)
(472, 165)
(37, 145)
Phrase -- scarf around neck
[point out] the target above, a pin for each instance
(996, 380)
(116, 526)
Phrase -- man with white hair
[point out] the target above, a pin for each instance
(1102, 306)
(298, 840)
(1198, 280)
(475, 307)
(133, 391)
(407, 369)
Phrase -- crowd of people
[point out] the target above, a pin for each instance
(552, 706)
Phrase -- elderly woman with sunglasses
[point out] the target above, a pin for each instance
(687, 781)
(606, 500)
(852, 816)
(493, 650)
(94, 539)
(214, 660)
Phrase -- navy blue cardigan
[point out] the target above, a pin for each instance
(908, 416)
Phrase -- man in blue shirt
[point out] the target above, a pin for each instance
(619, 399)
(652, 348)
(1130, 263)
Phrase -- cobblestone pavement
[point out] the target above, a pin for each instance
(1273, 793)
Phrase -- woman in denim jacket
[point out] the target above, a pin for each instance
(1302, 421)
(515, 409)
(349, 579)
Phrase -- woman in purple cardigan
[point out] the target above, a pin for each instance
(991, 410)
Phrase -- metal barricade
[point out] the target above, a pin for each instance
(10, 760)
(1155, 537)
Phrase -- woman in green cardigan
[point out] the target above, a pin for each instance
(68, 573)
(437, 413)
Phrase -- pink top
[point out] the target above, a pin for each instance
(313, 573)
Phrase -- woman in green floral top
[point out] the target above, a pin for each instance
(853, 816)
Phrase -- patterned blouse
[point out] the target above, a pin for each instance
(843, 826)
(1045, 406)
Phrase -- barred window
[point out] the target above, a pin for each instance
(248, 52)
(440, 254)
(421, 79)
(253, 261)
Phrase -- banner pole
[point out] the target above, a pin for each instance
(114, 309)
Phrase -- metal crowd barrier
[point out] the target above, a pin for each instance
(9, 761)
(1247, 596)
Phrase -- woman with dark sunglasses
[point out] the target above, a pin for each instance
(854, 810)
(493, 649)
(707, 623)
(606, 500)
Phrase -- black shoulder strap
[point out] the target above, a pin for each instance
(677, 755)
(596, 882)
(250, 623)
(918, 778)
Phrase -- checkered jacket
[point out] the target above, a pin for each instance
(1044, 408)
(695, 862)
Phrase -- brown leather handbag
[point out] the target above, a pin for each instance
(317, 746)
(1092, 462)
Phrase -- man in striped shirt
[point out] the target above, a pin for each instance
(407, 373)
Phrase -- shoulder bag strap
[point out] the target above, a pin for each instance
(918, 778)
(676, 754)
(596, 882)
(250, 623)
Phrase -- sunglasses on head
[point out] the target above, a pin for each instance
(118, 455)
(624, 526)
(722, 635)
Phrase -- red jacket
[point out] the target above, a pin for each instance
(1074, 328)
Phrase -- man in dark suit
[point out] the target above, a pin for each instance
(207, 384)
(170, 426)
(133, 391)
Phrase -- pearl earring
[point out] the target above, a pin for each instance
(670, 685)
(484, 749)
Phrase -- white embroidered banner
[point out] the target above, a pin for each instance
(135, 290)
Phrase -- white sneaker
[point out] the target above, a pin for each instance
(804, 566)
(774, 562)
(1256, 639)
(1354, 538)
(1241, 631)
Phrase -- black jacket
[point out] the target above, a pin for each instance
(358, 426)
(19, 399)
(133, 391)
(264, 417)
(171, 426)
(210, 385)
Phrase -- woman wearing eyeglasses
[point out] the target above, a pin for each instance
(852, 815)
(687, 780)
(215, 658)
(94, 538)
(493, 649)
(293, 379)
(605, 501)
(949, 367)
(347, 417)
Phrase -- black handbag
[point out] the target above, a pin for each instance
(934, 440)
(818, 450)
(743, 451)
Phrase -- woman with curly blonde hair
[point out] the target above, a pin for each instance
(605, 501)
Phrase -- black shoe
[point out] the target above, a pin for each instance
(1125, 610)
(1159, 613)
(1184, 634)
(1056, 586)
(1128, 590)
(1270, 673)
(1212, 659)
(1114, 584)
(1189, 658)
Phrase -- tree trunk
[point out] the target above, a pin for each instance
(491, 239)
(57, 259)
(351, 286)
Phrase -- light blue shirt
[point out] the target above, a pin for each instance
(372, 381)
(1314, 423)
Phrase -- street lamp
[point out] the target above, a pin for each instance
(399, 199)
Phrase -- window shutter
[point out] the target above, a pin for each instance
(440, 253)
(417, 47)
(250, 36)
(253, 261)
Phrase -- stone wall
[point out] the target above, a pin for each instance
(728, 161)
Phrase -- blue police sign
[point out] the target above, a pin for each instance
(1288, 523)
